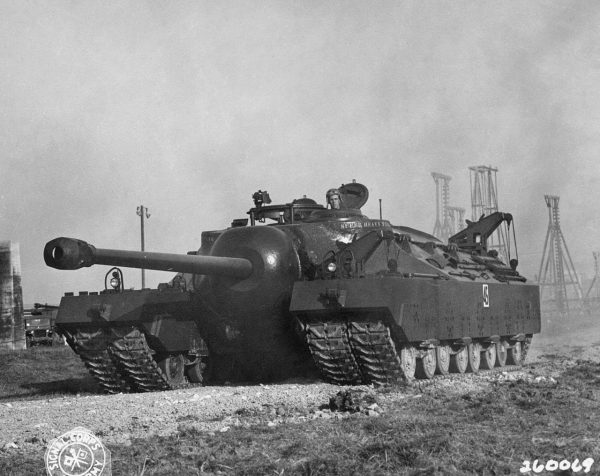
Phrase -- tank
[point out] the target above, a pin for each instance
(298, 288)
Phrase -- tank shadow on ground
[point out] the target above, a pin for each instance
(58, 388)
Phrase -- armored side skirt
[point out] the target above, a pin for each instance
(165, 317)
(420, 309)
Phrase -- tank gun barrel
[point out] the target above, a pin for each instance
(70, 253)
(39, 305)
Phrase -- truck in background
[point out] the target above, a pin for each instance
(39, 325)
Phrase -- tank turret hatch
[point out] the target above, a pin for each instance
(297, 211)
(354, 195)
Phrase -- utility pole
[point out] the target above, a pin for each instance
(143, 211)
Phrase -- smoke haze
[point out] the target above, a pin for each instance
(190, 107)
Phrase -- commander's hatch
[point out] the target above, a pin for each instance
(354, 195)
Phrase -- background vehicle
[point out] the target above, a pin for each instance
(39, 325)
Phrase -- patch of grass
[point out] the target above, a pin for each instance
(490, 431)
(43, 371)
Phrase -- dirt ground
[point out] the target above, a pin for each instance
(31, 421)
(576, 338)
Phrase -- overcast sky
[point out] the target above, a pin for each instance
(190, 107)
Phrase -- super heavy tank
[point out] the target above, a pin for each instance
(296, 287)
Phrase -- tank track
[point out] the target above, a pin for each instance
(120, 362)
(330, 348)
(375, 351)
(355, 352)
(133, 355)
(92, 348)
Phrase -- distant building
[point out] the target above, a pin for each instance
(12, 325)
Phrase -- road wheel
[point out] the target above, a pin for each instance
(501, 353)
(474, 350)
(426, 365)
(442, 353)
(173, 367)
(459, 361)
(488, 357)
(515, 354)
(408, 361)
(195, 372)
(525, 347)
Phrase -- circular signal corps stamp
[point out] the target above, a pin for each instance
(77, 453)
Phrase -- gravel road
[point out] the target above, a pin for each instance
(116, 419)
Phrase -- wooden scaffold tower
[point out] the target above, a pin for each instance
(557, 273)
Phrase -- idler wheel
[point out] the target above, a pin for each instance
(408, 361)
(173, 367)
(459, 361)
(474, 350)
(488, 357)
(442, 352)
(501, 353)
(427, 364)
(515, 354)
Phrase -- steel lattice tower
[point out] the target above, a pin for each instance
(484, 201)
(556, 269)
(442, 228)
(595, 280)
(457, 219)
